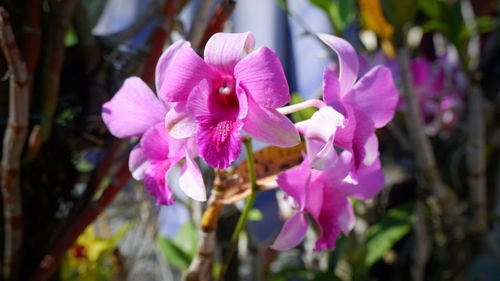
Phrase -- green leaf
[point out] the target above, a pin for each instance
(174, 255)
(187, 239)
(432, 8)
(382, 236)
(398, 12)
(303, 114)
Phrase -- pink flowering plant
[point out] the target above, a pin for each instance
(207, 108)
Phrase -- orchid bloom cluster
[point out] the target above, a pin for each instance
(439, 94)
(205, 106)
(350, 112)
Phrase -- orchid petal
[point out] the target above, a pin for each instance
(371, 150)
(261, 75)
(138, 162)
(165, 60)
(185, 70)
(376, 95)
(155, 143)
(270, 126)
(180, 122)
(370, 180)
(334, 205)
(225, 50)
(292, 233)
(348, 60)
(295, 182)
(191, 180)
(331, 91)
(132, 110)
(155, 181)
(347, 218)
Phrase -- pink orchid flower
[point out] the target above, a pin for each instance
(366, 103)
(136, 111)
(324, 196)
(218, 96)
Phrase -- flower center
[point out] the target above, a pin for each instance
(226, 85)
(221, 132)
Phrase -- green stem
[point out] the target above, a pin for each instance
(247, 141)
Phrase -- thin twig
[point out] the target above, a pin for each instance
(219, 18)
(475, 153)
(199, 25)
(53, 63)
(14, 139)
(420, 142)
(421, 254)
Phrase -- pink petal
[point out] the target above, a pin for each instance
(332, 217)
(347, 218)
(270, 126)
(185, 70)
(180, 122)
(155, 181)
(225, 50)
(376, 95)
(335, 174)
(191, 180)
(261, 75)
(292, 233)
(138, 162)
(295, 182)
(348, 60)
(155, 143)
(421, 70)
(370, 180)
(371, 150)
(165, 60)
(331, 91)
(364, 130)
(132, 110)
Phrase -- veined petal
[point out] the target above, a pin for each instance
(295, 182)
(180, 122)
(292, 233)
(261, 75)
(270, 126)
(132, 110)
(370, 180)
(155, 181)
(332, 211)
(138, 162)
(348, 60)
(225, 50)
(155, 143)
(191, 180)
(376, 95)
(185, 70)
(164, 62)
(331, 91)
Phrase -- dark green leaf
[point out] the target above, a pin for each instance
(174, 255)
(382, 236)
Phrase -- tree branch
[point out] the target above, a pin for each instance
(14, 139)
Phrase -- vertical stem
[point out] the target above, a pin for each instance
(425, 161)
(13, 143)
(420, 142)
(247, 141)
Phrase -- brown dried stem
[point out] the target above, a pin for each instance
(14, 138)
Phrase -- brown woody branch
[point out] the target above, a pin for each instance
(14, 138)
(51, 74)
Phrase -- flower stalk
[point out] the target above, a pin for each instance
(247, 142)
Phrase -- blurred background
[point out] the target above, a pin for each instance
(71, 211)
